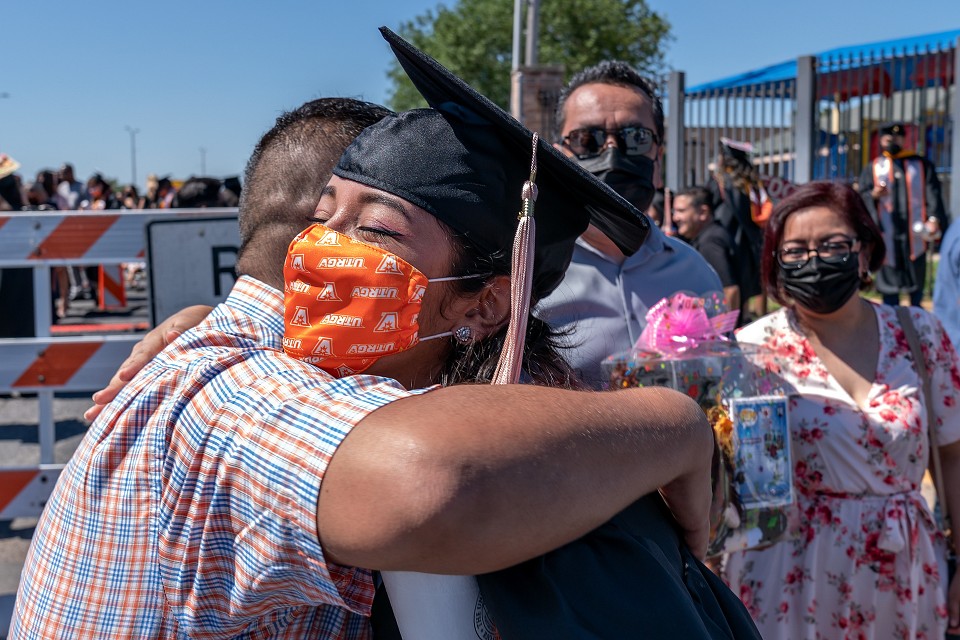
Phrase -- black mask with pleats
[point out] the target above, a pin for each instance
(630, 176)
(822, 287)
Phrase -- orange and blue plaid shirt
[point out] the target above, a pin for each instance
(190, 507)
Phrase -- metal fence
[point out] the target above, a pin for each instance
(857, 94)
(817, 119)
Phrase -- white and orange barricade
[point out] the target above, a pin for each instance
(46, 364)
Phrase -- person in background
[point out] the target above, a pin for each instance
(70, 192)
(655, 210)
(863, 556)
(48, 178)
(610, 122)
(740, 204)
(100, 195)
(166, 193)
(946, 288)
(16, 284)
(902, 193)
(131, 199)
(693, 215)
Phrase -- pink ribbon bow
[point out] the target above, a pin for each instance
(680, 323)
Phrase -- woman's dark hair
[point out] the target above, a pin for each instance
(10, 191)
(477, 361)
(839, 198)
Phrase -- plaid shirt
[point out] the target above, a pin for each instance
(190, 507)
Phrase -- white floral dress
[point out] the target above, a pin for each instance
(864, 558)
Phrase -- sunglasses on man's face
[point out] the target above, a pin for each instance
(588, 142)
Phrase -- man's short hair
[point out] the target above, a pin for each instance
(617, 73)
(699, 197)
(288, 169)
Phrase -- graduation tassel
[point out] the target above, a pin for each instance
(511, 358)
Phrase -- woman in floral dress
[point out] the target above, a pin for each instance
(864, 557)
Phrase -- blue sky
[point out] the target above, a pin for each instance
(214, 74)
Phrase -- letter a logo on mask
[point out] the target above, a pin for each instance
(388, 322)
(329, 239)
(389, 265)
(300, 317)
(328, 293)
(418, 292)
(324, 348)
(296, 261)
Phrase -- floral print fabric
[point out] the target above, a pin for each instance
(864, 557)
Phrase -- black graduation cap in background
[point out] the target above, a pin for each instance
(465, 161)
(894, 128)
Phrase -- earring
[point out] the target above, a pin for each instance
(463, 335)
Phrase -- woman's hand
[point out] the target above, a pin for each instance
(144, 351)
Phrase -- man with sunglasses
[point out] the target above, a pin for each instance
(610, 121)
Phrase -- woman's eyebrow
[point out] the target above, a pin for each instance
(394, 203)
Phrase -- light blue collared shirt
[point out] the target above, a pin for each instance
(602, 305)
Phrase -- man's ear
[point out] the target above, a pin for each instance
(492, 311)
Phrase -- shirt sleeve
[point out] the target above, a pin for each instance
(942, 367)
(268, 445)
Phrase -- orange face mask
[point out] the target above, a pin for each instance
(347, 303)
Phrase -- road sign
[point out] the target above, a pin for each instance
(190, 262)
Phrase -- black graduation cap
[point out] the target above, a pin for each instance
(465, 161)
(737, 150)
(894, 128)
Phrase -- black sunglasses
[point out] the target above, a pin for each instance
(588, 142)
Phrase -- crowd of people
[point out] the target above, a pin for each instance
(252, 468)
(59, 190)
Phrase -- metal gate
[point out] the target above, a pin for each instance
(816, 117)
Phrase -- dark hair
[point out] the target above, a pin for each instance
(839, 198)
(477, 361)
(288, 169)
(10, 191)
(617, 73)
(97, 179)
(699, 197)
(198, 193)
(48, 179)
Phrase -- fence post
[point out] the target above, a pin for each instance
(954, 204)
(675, 131)
(805, 122)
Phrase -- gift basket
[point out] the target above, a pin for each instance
(686, 346)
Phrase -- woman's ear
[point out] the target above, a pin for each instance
(492, 311)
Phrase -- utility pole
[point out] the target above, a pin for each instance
(133, 153)
(516, 76)
(533, 29)
(203, 161)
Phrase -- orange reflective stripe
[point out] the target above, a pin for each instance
(12, 484)
(57, 364)
(73, 237)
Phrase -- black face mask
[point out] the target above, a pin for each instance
(630, 176)
(893, 148)
(822, 287)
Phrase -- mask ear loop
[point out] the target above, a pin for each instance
(521, 282)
